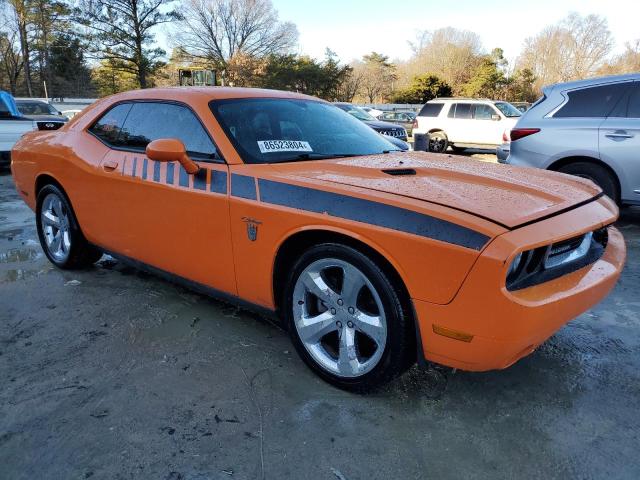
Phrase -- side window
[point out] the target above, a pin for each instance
(483, 112)
(109, 126)
(431, 110)
(634, 102)
(148, 121)
(463, 110)
(452, 110)
(592, 102)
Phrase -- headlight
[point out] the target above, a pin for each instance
(515, 264)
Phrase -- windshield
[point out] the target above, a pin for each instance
(36, 108)
(508, 110)
(272, 130)
(357, 112)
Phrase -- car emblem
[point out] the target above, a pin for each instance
(49, 125)
(252, 228)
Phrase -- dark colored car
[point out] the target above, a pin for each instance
(405, 119)
(45, 115)
(385, 128)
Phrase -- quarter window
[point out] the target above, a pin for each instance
(431, 110)
(634, 102)
(108, 128)
(592, 102)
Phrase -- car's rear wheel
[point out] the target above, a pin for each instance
(59, 232)
(597, 174)
(438, 142)
(346, 319)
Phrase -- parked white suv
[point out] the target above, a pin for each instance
(465, 123)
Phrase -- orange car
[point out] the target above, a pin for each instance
(374, 258)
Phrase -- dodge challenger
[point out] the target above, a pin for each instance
(373, 258)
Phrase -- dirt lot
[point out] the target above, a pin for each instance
(111, 373)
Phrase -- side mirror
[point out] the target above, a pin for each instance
(171, 150)
(495, 117)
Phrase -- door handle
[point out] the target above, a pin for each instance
(110, 165)
(618, 134)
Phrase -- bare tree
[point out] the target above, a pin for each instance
(11, 62)
(448, 53)
(575, 48)
(376, 75)
(20, 19)
(627, 62)
(216, 31)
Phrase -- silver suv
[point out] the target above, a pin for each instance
(589, 128)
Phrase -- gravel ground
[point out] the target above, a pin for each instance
(112, 373)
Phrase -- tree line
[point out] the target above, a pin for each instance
(86, 48)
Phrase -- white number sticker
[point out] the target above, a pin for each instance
(268, 146)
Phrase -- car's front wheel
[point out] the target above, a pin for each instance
(346, 319)
(59, 233)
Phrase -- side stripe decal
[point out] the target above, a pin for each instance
(243, 187)
(135, 166)
(144, 168)
(371, 212)
(170, 168)
(200, 179)
(156, 171)
(184, 177)
(218, 181)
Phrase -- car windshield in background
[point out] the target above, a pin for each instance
(508, 110)
(357, 112)
(36, 108)
(272, 130)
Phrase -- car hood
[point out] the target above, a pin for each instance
(47, 118)
(380, 125)
(506, 195)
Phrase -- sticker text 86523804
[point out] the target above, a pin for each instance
(268, 146)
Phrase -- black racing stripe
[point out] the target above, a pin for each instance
(170, 168)
(124, 165)
(144, 169)
(367, 211)
(200, 179)
(184, 177)
(156, 171)
(218, 182)
(243, 187)
(135, 166)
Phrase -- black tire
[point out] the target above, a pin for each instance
(80, 253)
(597, 174)
(438, 142)
(398, 353)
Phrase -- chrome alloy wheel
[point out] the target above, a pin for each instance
(339, 317)
(55, 227)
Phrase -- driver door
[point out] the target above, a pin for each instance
(156, 213)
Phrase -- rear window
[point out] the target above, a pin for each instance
(431, 110)
(592, 102)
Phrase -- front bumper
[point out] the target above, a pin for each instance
(506, 326)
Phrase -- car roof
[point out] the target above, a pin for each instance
(466, 99)
(595, 81)
(205, 93)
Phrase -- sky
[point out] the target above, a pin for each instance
(353, 28)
